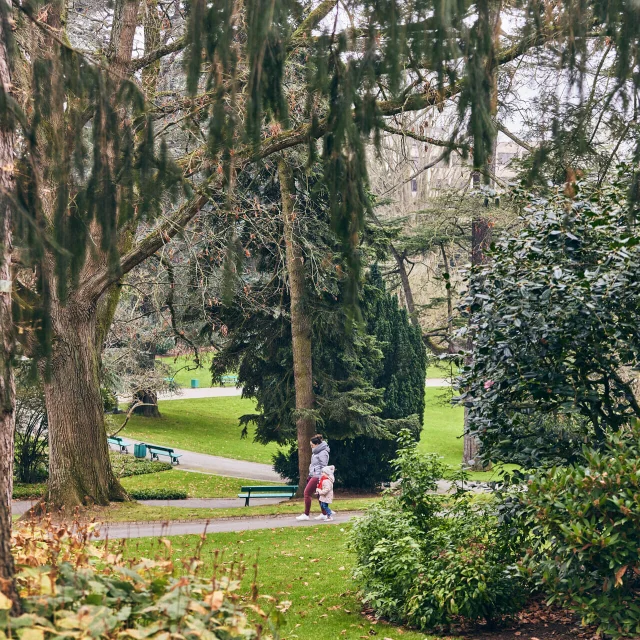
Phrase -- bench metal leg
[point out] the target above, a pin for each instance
(246, 501)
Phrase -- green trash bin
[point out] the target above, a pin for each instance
(140, 450)
(195, 384)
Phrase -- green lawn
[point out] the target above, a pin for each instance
(309, 567)
(210, 425)
(197, 485)
(439, 369)
(442, 431)
(207, 425)
(136, 512)
(442, 425)
(184, 369)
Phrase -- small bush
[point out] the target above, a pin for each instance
(388, 557)
(427, 560)
(125, 465)
(28, 491)
(109, 400)
(159, 493)
(70, 588)
(585, 543)
(31, 454)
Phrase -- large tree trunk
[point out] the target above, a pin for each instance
(7, 381)
(300, 326)
(79, 467)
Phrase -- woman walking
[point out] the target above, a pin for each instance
(319, 460)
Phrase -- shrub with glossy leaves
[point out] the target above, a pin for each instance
(585, 521)
(554, 316)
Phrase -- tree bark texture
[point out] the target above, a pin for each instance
(79, 466)
(480, 242)
(300, 325)
(149, 406)
(7, 380)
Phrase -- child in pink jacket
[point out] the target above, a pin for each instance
(325, 491)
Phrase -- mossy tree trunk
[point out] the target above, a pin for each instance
(7, 380)
(79, 466)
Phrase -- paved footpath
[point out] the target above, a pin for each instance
(153, 529)
(218, 466)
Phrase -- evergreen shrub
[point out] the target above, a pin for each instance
(585, 534)
(158, 493)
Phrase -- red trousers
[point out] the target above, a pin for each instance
(309, 493)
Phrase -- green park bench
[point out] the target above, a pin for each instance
(267, 492)
(117, 441)
(232, 379)
(156, 451)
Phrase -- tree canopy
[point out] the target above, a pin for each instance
(554, 318)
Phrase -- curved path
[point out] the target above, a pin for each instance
(118, 530)
(216, 465)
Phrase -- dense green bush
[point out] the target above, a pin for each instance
(554, 315)
(585, 543)
(427, 560)
(159, 493)
(126, 465)
(109, 400)
(28, 491)
(373, 455)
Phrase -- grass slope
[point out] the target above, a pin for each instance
(206, 425)
(210, 425)
(310, 567)
(184, 369)
(197, 485)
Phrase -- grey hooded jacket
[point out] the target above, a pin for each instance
(319, 459)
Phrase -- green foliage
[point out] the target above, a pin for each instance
(368, 376)
(554, 318)
(109, 399)
(427, 561)
(28, 491)
(30, 453)
(584, 521)
(158, 493)
(125, 465)
(418, 474)
(69, 587)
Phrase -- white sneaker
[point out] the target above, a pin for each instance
(328, 518)
(304, 516)
(321, 517)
